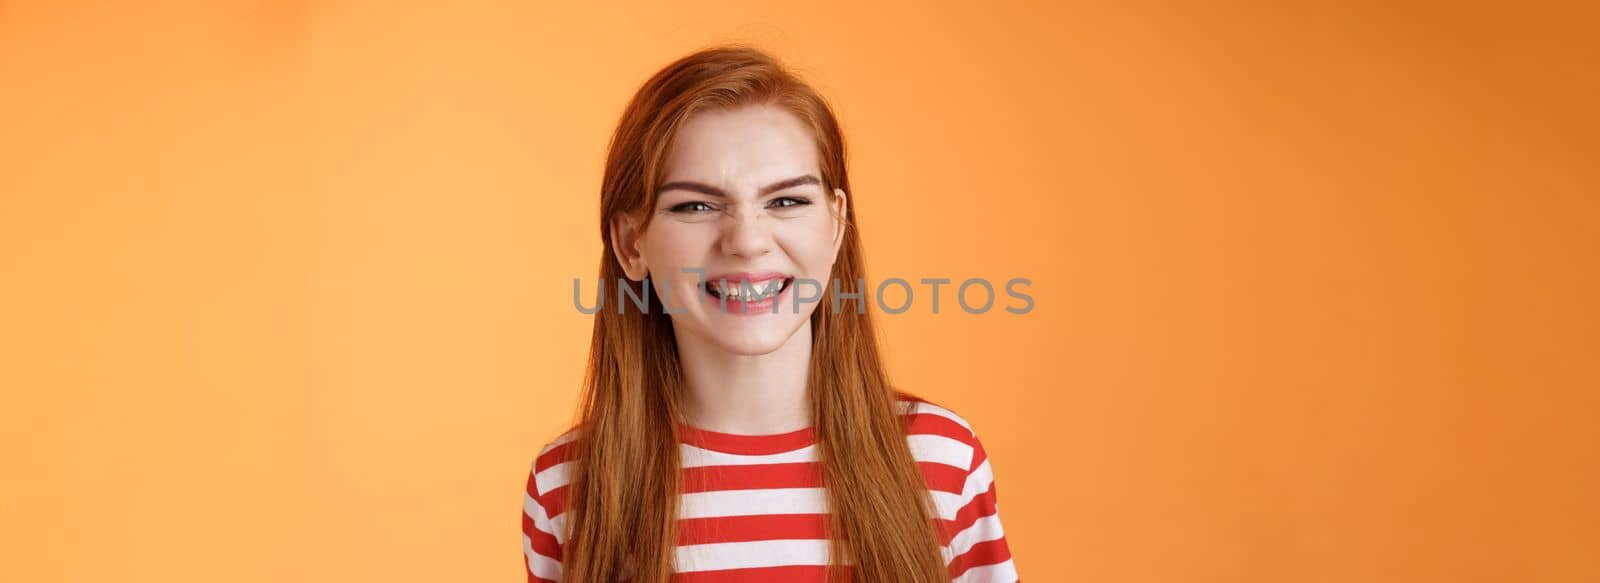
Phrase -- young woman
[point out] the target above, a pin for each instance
(735, 394)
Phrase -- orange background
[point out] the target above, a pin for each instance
(286, 286)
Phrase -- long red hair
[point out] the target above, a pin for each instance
(625, 481)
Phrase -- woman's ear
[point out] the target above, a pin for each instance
(841, 217)
(625, 234)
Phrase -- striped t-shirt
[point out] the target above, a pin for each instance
(753, 507)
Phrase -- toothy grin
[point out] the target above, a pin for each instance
(747, 291)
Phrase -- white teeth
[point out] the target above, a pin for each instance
(748, 290)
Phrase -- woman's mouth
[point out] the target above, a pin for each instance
(746, 291)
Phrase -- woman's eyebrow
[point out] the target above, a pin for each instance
(710, 190)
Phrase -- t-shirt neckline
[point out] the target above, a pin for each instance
(746, 444)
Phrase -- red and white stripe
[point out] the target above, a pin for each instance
(753, 507)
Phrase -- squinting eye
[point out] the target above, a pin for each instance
(691, 207)
(789, 201)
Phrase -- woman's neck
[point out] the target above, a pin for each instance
(749, 395)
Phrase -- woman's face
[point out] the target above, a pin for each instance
(742, 202)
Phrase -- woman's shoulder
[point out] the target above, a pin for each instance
(933, 414)
(937, 433)
(549, 469)
(558, 446)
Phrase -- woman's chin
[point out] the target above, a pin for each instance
(751, 338)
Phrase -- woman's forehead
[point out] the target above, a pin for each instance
(742, 148)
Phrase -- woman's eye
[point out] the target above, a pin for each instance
(691, 207)
(789, 201)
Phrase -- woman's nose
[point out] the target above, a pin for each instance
(746, 235)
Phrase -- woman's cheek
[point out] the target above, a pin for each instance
(679, 246)
(816, 241)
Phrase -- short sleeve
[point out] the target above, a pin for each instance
(540, 550)
(979, 553)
